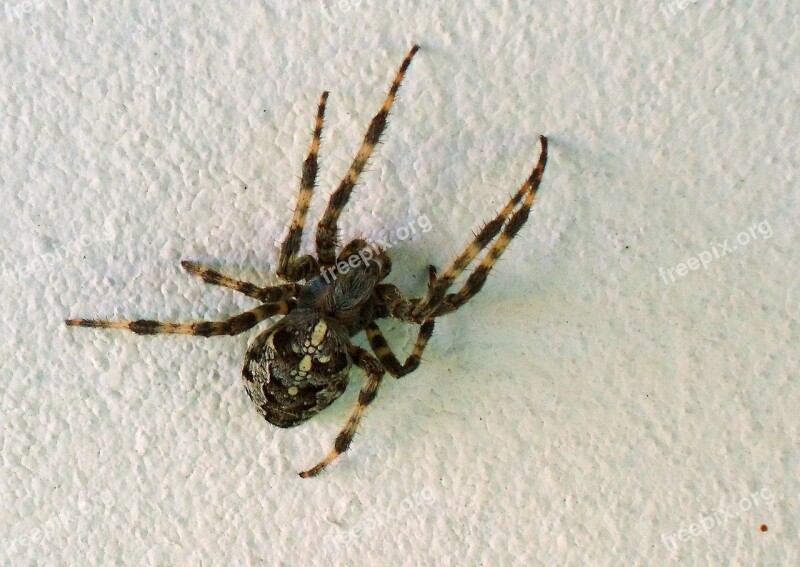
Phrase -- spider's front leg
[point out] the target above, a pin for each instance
(327, 230)
(289, 266)
(267, 294)
(374, 373)
(232, 326)
(360, 250)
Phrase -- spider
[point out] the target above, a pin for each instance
(301, 364)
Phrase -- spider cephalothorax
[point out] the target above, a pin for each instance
(300, 365)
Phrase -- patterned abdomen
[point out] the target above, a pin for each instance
(295, 370)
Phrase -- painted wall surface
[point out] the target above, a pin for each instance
(624, 390)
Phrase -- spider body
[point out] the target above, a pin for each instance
(298, 368)
(301, 364)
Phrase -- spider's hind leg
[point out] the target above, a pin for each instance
(375, 374)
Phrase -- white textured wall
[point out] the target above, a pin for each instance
(582, 410)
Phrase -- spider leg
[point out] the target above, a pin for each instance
(388, 359)
(327, 229)
(390, 302)
(268, 294)
(375, 374)
(231, 326)
(386, 266)
(430, 305)
(352, 249)
(361, 248)
(287, 267)
(431, 275)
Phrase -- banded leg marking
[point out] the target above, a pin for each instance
(291, 244)
(232, 326)
(375, 374)
(267, 294)
(327, 229)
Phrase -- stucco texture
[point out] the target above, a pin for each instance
(620, 393)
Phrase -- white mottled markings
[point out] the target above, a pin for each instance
(318, 335)
(305, 364)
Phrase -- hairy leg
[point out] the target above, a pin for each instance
(231, 326)
(291, 244)
(328, 229)
(388, 359)
(374, 373)
(430, 305)
(267, 294)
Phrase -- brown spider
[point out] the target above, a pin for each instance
(300, 365)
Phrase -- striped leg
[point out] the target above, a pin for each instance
(390, 302)
(374, 373)
(269, 294)
(387, 358)
(431, 275)
(231, 326)
(327, 229)
(352, 249)
(305, 268)
(438, 290)
(291, 244)
(361, 248)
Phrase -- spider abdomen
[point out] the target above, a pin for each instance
(296, 369)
